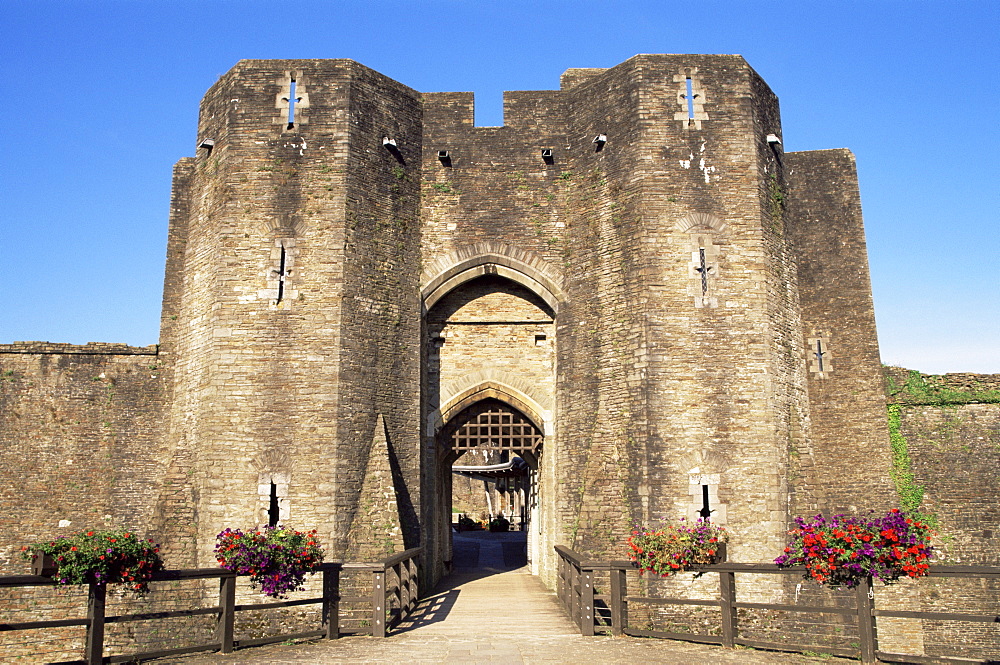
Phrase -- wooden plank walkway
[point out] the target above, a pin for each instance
(491, 610)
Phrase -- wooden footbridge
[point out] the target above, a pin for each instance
(489, 609)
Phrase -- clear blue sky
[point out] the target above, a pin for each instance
(101, 98)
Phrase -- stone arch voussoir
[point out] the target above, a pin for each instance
(442, 275)
(705, 461)
(700, 221)
(509, 388)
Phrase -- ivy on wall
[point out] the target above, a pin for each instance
(918, 389)
(911, 495)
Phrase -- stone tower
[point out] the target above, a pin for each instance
(629, 284)
(630, 264)
(291, 309)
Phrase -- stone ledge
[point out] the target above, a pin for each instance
(960, 381)
(90, 348)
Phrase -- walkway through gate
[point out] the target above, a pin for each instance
(489, 611)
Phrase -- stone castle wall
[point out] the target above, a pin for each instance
(668, 385)
(846, 397)
(955, 457)
(297, 298)
(632, 261)
(654, 299)
(660, 385)
(82, 440)
(950, 427)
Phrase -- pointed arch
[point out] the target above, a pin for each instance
(508, 388)
(491, 258)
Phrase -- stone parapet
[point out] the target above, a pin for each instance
(906, 386)
(90, 348)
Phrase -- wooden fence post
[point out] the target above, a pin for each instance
(576, 590)
(576, 576)
(727, 593)
(619, 607)
(95, 627)
(227, 612)
(567, 585)
(866, 621)
(331, 602)
(587, 602)
(397, 572)
(413, 576)
(561, 581)
(378, 603)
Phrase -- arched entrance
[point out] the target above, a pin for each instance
(489, 363)
(500, 483)
(490, 424)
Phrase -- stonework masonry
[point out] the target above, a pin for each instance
(631, 262)
(950, 426)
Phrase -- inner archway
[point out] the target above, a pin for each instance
(489, 394)
(493, 451)
(490, 424)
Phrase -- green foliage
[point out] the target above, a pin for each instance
(444, 188)
(931, 391)
(398, 172)
(101, 557)
(910, 494)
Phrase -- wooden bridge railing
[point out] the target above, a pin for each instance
(577, 576)
(395, 592)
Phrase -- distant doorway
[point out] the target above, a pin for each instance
(506, 446)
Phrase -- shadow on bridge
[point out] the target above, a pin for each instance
(475, 555)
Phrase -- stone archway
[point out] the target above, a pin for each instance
(489, 339)
(491, 258)
(507, 446)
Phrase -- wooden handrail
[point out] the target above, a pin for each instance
(399, 557)
(405, 581)
(575, 592)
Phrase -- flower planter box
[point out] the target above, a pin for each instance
(674, 548)
(721, 556)
(113, 556)
(44, 566)
(849, 550)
